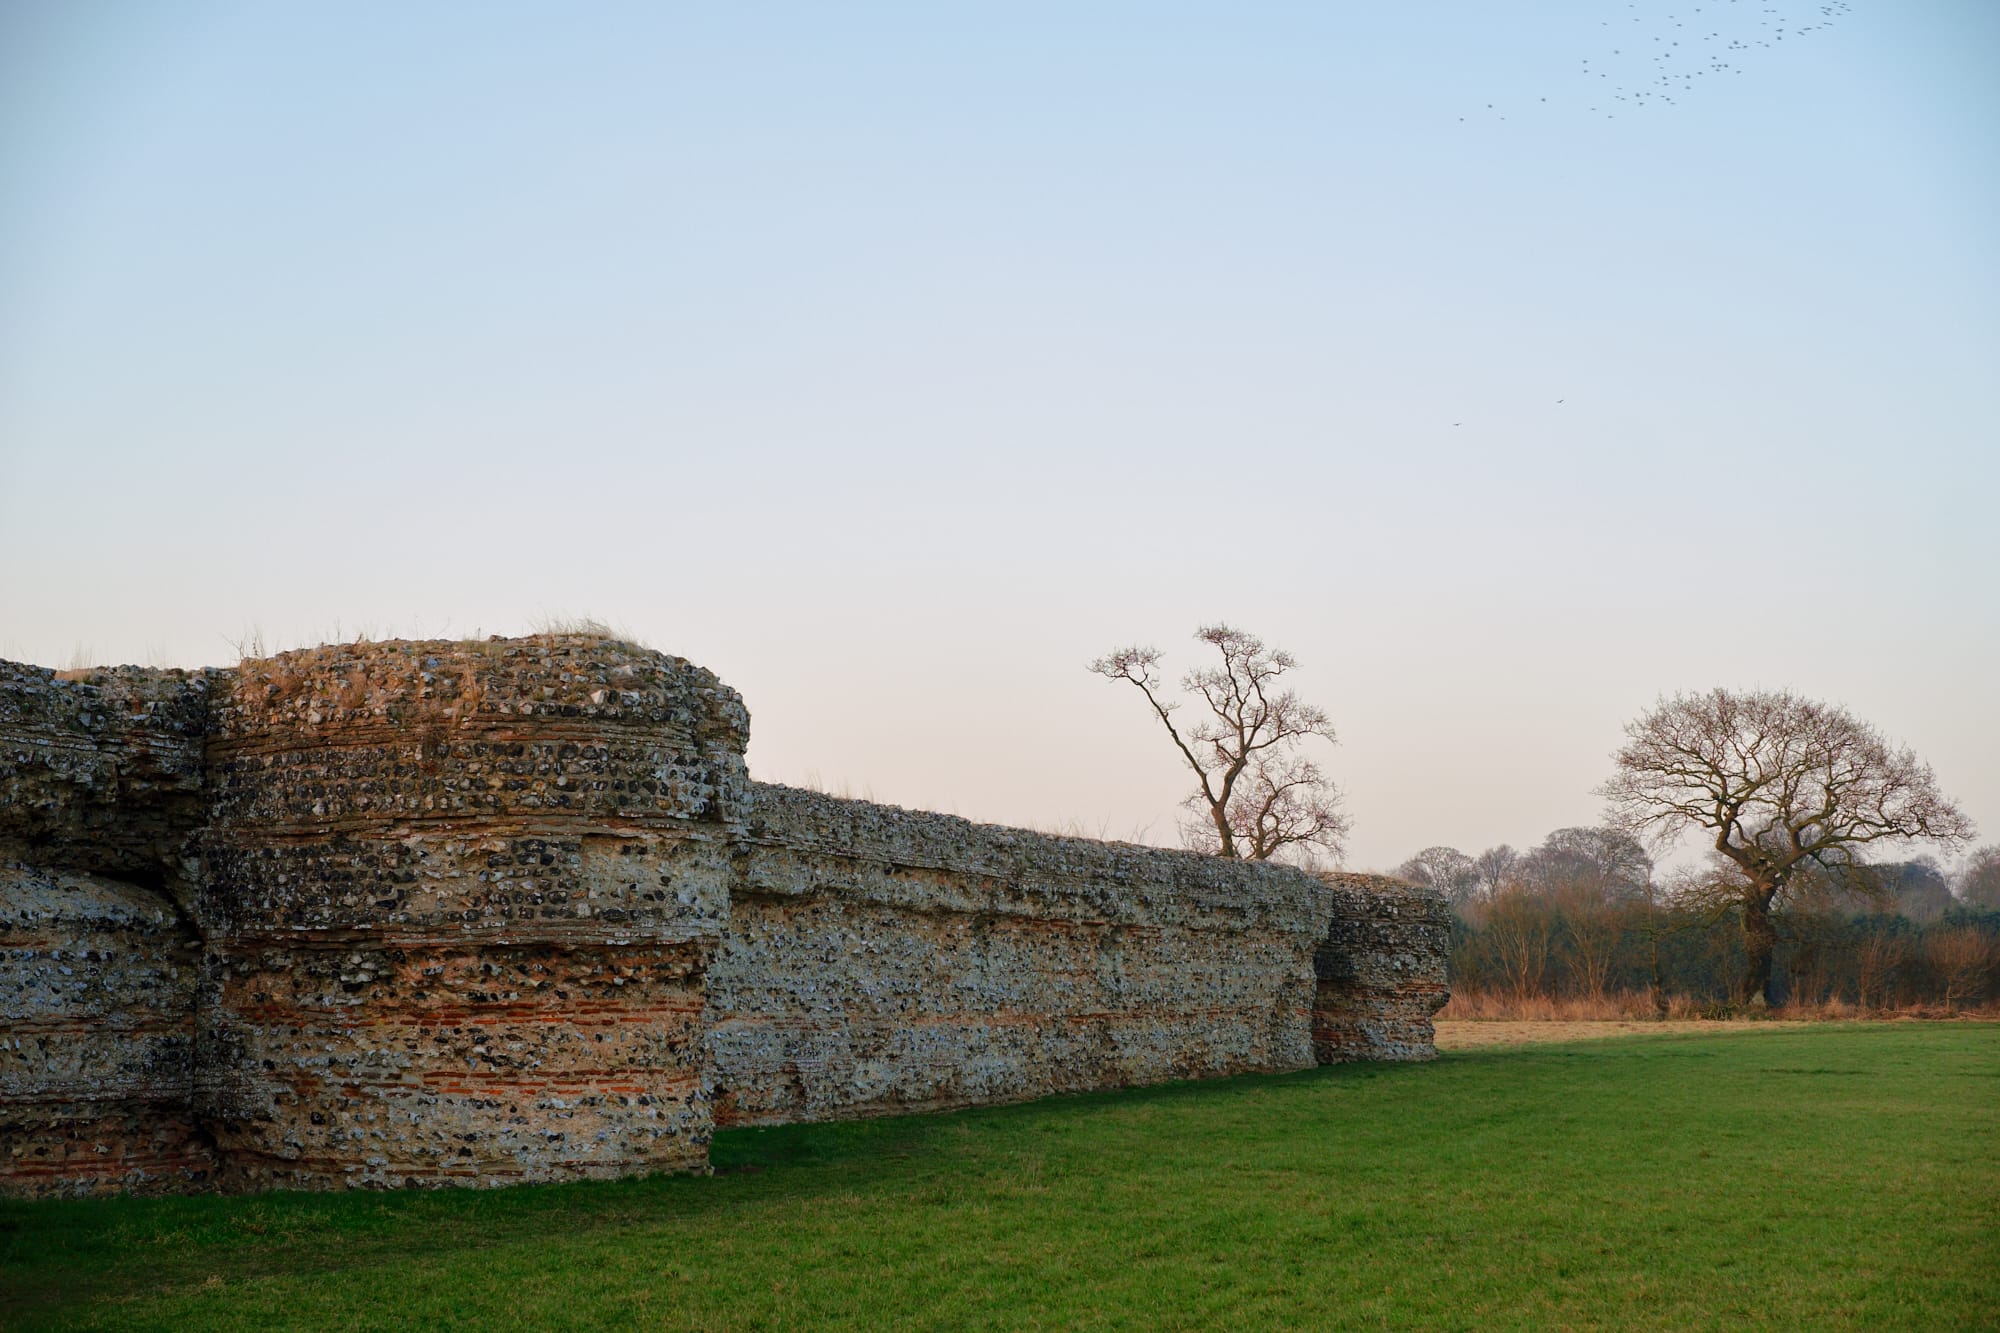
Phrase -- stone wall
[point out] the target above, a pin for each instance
(100, 807)
(97, 1010)
(452, 913)
(1380, 971)
(102, 771)
(881, 960)
(459, 901)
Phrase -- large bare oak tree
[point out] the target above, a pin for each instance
(1782, 788)
(1256, 794)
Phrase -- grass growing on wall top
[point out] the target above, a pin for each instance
(1832, 1176)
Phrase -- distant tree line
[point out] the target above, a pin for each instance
(1587, 916)
(1795, 802)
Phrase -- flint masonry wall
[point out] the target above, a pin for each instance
(458, 906)
(97, 1010)
(1379, 973)
(448, 913)
(100, 802)
(882, 960)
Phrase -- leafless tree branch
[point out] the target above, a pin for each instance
(1255, 795)
(1781, 787)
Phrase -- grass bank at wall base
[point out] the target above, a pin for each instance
(1836, 1176)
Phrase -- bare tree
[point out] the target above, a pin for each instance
(1494, 868)
(1657, 982)
(1819, 933)
(1979, 882)
(1608, 862)
(1962, 956)
(1520, 929)
(1592, 926)
(1446, 869)
(1590, 876)
(1875, 965)
(1779, 784)
(1256, 794)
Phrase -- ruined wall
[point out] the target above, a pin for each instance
(881, 960)
(459, 901)
(97, 990)
(454, 913)
(1380, 971)
(100, 803)
(102, 771)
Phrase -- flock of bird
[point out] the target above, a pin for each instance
(1668, 57)
(1657, 61)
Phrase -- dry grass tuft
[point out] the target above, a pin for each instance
(1492, 1006)
(1638, 1006)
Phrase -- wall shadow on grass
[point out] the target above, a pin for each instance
(57, 1252)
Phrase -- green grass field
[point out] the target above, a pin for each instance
(1836, 1176)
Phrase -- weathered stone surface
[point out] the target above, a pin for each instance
(459, 900)
(102, 770)
(1381, 971)
(456, 913)
(384, 1063)
(97, 999)
(883, 960)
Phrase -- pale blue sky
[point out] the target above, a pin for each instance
(895, 361)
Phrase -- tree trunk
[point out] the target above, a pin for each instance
(1760, 941)
(1653, 947)
(1218, 812)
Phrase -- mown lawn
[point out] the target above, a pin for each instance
(1836, 1176)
